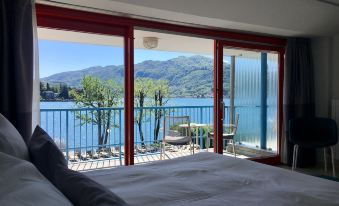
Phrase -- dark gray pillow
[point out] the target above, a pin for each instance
(77, 187)
(44, 153)
(11, 142)
(83, 191)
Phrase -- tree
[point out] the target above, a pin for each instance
(161, 91)
(42, 87)
(101, 95)
(48, 88)
(55, 88)
(149, 92)
(142, 88)
(64, 91)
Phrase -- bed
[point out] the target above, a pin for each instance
(212, 179)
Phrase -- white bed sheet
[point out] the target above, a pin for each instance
(209, 179)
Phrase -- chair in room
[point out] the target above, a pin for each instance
(229, 132)
(313, 133)
(176, 132)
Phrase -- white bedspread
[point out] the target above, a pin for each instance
(208, 179)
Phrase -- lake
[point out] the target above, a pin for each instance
(83, 135)
(171, 102)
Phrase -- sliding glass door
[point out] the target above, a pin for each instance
(82, 95)
(249, 99)
(173, 80)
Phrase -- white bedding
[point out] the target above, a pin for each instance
(209, 179)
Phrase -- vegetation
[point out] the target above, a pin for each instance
(186, 76)
(99, 95)
(142, 88)
(148, 92)
(56, 92)
(155, 82)
(161, 92)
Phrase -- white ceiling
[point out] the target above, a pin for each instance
(276, 17)
(166, 42)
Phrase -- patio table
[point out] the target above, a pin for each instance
(212, 133)
(195, 126)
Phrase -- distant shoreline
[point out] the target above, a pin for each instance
(71, 100)
(57, 100)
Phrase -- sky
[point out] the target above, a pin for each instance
(57, 56)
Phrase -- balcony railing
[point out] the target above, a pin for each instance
(76, 130)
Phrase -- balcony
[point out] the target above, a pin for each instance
(76, 133)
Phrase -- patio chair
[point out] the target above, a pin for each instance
(92, 154)
(229, 131)
(105, 152)
(176, 131)
(78, 154)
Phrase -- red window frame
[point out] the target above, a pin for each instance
(84, 21)
(219, 46)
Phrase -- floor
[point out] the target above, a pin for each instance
(318, 170)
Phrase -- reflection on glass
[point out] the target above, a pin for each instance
(248, 91)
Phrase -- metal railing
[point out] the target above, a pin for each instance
(77, 132)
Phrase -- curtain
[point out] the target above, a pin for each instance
(16, 64)
(298, 94)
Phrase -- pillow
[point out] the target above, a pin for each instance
(45, 154)
(83, 191)
(23, 184)
(77, 187)
(11, 142)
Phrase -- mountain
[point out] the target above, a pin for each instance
(187, 76)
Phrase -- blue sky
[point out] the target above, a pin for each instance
(56, 56)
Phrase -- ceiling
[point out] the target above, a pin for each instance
(274, 17)
(166, 42)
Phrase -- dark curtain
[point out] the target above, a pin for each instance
(16, 64)
(298, 92)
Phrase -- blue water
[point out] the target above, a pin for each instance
(171, 102)
(84, 136)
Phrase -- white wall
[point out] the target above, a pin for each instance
(325, 52)
(322, 53)
(335, 67)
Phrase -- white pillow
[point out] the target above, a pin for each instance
(23, 184)
(11, 142)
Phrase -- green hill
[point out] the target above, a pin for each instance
(187, 76)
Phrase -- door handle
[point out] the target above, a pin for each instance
(222, 106)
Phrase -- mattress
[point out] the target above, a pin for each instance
(212, 179)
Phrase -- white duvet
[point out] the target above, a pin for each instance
(210, 179)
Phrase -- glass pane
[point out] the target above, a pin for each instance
(173, 77)
(249, 69)
(81, 87)
(272, 101)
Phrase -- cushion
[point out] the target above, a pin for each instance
(45, 154)
(75, 184)
(11, 142)
(177, 140)
(23, 184)
(52, 164)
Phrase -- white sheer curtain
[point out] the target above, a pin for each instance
(36, 79)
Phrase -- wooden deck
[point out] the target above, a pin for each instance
(95, 164)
